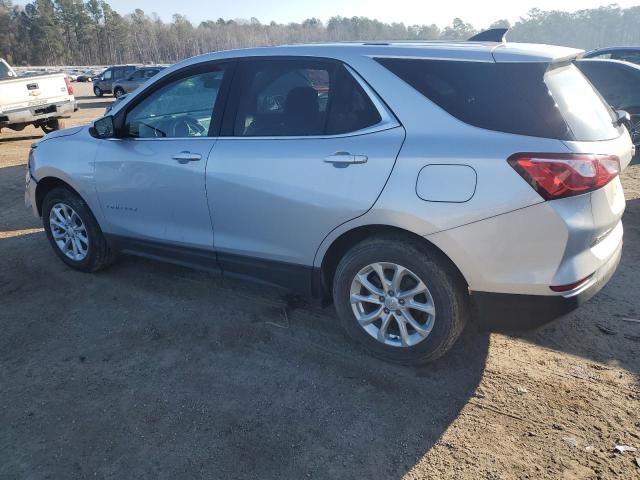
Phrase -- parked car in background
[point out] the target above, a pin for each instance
(104, 82)
(627, 54)
(409, 184)
(72, 75)
(86, 77)
(134, 80)
(619, 83)
(39, 100)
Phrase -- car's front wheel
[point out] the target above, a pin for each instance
(73, 231)
(401, 301)
(97, 91)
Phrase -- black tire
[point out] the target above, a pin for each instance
(52, 125)
(97, 92)
(446, 285)
(118, 92)
(99, 255)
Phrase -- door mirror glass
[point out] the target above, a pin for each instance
(104, 128)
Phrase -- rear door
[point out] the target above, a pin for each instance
(306, 146)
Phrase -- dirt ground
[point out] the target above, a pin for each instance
(152, 371)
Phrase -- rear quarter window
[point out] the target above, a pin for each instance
(520, 98)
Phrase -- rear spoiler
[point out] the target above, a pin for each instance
(492, 35)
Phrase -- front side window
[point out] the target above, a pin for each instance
(180, 109)
(107, 75)
(300, 98)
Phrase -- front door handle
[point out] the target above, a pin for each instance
(186, 157)
(344, 159)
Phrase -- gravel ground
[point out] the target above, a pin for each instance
(153, 371)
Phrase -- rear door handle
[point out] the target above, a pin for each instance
(344, 159)
(186, 157)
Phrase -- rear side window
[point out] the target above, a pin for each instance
(300, 98)
(350, 107)
(520, 98)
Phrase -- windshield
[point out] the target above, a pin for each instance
(585, 112)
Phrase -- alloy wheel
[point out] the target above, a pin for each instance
(392, 304)
(69, 232)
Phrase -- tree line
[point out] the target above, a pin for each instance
(75, 32)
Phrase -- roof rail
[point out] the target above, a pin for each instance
(492, 35)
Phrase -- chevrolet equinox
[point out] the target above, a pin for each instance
(417, 186)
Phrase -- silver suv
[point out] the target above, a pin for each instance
(417, 186)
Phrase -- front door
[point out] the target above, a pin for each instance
(151, 179)
(305, 147)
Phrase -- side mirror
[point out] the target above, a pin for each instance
(103, 128)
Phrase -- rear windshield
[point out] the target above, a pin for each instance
(522, 98)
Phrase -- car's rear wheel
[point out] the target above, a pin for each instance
(118, 92)
(73, 231)
(400, 301)
(97, 91)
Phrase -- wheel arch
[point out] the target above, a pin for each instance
(342, 244)
(47, 184)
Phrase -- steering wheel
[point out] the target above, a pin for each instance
(186, 127)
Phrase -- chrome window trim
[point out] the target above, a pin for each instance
(364, 131)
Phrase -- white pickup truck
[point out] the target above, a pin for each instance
(39, 100)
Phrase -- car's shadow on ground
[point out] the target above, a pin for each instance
(154, 370)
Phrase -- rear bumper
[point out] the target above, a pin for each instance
(36, 113)
(512, 312)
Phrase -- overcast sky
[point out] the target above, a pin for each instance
(480, 13)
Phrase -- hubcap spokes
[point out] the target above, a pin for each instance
(69, 232)
(392, 304)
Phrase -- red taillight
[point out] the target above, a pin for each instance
(570, 286)
(69, 86)
(565, 175)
